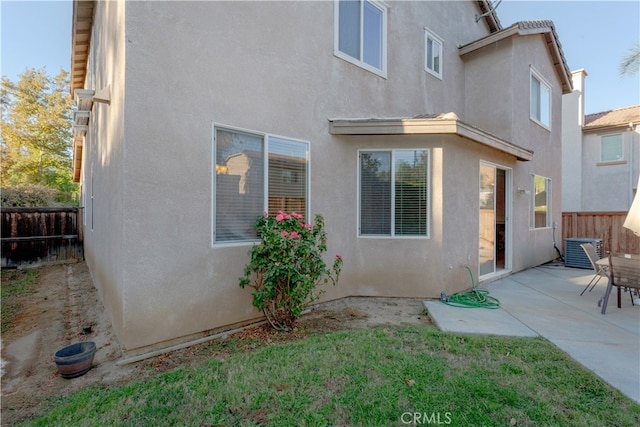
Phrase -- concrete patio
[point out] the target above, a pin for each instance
(545, 301)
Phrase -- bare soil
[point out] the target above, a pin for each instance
(65, 308)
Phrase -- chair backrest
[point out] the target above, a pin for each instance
(624, 271)
(591, 254)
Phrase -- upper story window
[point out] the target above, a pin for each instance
(394, 193)
(540, 97)
(243, 162)
(541, 215)
(361, 34)
(433, 54)
(611, 148)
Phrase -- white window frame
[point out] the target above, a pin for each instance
(265, 144)
(548, 193)
(429, 35)
(537, 116)
(392, 234)
(382, 72)
(621, 141)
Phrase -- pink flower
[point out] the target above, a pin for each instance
(265, 214)
(280, 217)
(297, 216)
(294, 235)
(339, 256)
(307, 226)
(284, 234)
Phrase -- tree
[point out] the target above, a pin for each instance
(36, 137)
(631, 62)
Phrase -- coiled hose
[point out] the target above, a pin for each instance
(474, 298)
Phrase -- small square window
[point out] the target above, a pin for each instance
(611, 148)
(433, 54)
(540, 100)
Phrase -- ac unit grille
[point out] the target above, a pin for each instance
(574, 255)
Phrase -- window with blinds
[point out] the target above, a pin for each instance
(254, 173)
(394, 193)
(287, 176)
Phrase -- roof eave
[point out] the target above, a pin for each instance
(550, 37)
(437, 126)
(82, 23)
(489, 15)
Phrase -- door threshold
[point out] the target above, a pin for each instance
(492, 277)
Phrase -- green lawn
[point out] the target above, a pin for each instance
(376, 377)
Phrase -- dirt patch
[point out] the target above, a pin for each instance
(64, 308)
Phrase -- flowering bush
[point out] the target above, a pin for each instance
(287, 265)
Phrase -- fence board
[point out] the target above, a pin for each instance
(40, 235)
(601, 225)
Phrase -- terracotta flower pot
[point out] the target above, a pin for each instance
(75, 360)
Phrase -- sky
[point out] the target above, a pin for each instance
(595, 36)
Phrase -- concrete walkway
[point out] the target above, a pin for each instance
(546, 301)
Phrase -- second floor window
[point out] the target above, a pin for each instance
(611, 148)
(433, 54)
(540, 98)
(361, 34)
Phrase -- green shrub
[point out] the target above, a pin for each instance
(286, 267)
(37, 196)
(28, 196)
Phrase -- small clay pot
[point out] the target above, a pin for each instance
(75, 360)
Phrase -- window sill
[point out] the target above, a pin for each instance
(433, 73)
(613, 163)
(363, 65)
(540, 228)
(539, 123)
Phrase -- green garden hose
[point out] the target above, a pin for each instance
(474, 298)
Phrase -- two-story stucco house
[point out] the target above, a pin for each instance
(428, 136)
(601, 154)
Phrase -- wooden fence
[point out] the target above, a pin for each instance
(40, 235)
(601, 225)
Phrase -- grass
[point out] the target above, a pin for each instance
(375, 377)
(15, 284)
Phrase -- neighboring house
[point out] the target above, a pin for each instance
(601, 154)
(427, 135)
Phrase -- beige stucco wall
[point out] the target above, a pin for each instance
(497, 88)
(192, 65)
(572, 122)
(609, 186)
(103, 162)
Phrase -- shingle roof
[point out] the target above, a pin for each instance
(618, 117)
